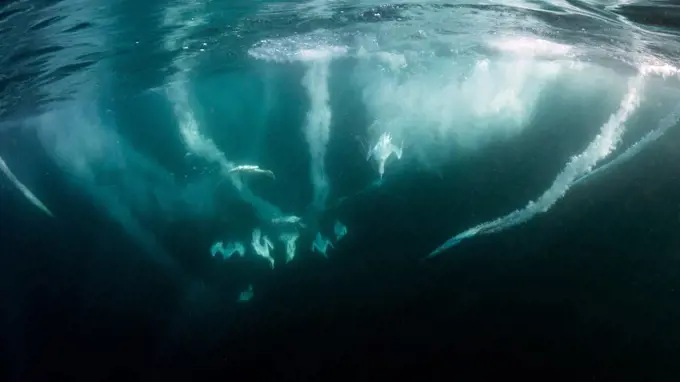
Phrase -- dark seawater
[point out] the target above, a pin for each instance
(122, 118)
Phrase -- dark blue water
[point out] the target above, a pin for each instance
(533, 143)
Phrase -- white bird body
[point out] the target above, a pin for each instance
(382, 150)
(292, 219)
(262, 246)
(252, 169)
(321, 244)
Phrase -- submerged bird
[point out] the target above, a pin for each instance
(290, 239)
(340, 230)
(262, 246)
(229, 250)
(382, 150)
(292, 219)
(252, 169)
(321, 244)
(247, 294)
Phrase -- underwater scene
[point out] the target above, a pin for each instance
(322, 189)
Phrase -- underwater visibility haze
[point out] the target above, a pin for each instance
(313, 188)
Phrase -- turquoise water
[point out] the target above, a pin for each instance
(232, 159)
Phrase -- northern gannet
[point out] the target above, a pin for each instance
(292, 219)
(340, 230)
(246, 295)
(382, 150)
(252, 169)
(262, 245)
(229, 250)
(321, 244)
(290, 239)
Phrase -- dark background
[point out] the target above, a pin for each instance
(587, 291)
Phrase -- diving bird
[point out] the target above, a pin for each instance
(290, 239)
(321, 244)
(228, 250)
(382, 150)
(292, 219)
(252, 169)
(246, 295)
(340, 230)
(262, 246)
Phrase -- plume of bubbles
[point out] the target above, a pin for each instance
(580, 167)
(316, 54)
